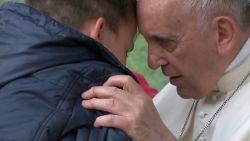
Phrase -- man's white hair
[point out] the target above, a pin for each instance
(207, 9)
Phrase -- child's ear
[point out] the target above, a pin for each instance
(97, 29)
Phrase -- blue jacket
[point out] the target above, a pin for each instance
(45, 66)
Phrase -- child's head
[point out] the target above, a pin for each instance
(110, 22)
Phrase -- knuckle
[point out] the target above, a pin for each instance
(94, 89)
(110, 78)
(92, 102)
(111, 103)
(88, 104)
(128, 78)
(111, 119)
(114, 90)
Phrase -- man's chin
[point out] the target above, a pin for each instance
(184, 96)
(187, 94)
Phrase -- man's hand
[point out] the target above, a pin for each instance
(131, 109)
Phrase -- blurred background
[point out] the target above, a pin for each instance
(137, 61)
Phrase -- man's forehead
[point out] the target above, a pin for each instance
(159, 7)
(158, 4)
(155, 18)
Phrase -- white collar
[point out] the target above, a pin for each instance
(236, 71)
(244, 52)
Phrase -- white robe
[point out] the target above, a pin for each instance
(233, 121)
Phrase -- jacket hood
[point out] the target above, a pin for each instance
(31, 41)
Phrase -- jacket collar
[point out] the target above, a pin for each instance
(32, 41)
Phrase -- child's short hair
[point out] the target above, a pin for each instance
(74, 12)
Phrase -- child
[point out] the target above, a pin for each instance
(50, 52)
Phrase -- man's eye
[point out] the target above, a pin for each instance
(165, 43)
(168, 45)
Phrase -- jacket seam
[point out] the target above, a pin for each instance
(66, 123)
(48, 81)
(40, 130)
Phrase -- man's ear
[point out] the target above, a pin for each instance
(226, 30)
(97, 29)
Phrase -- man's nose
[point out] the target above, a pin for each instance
(156, 58)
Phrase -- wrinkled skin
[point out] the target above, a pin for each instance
(126, 106)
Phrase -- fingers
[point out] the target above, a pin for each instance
(99, 104)
(112, 99)
(102, 92)
(119, 80)
(108, 105)
(114, 121)
(125, 82)
(120, 84)
(116, 105)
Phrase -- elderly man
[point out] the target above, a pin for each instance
(204, 47)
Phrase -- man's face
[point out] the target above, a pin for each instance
(185, 51)
(122, 42)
